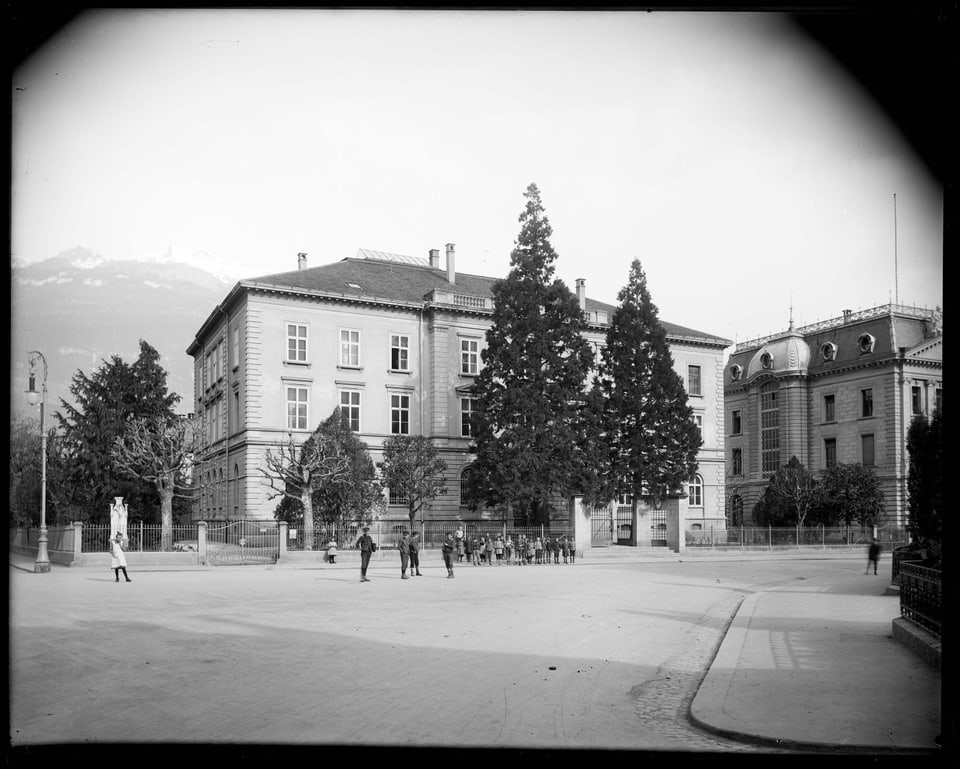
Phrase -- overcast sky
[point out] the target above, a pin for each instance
(742, 167)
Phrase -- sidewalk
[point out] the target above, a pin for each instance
(806, 667)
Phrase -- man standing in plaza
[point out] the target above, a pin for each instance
(449, 548)
(365, 543)
(404, 547)
(414, 546)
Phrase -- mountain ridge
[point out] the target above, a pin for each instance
(80, 309)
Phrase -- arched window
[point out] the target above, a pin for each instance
(736, 372)
(766, 360)
(695, 491)
(866, 342)
(465, 485)
(828, 350)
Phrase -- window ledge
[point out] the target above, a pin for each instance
(297, 363)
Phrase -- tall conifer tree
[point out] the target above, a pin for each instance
(529, 393)
(648, 426)
(84, 474)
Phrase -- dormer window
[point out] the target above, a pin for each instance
(736, 371)
(866, 342)
(828, 350)
(766, 360)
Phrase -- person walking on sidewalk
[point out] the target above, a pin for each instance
(365, 543)
(414, 544)
(404, 547)
(449, 549)
(118, 561)
(873, 555)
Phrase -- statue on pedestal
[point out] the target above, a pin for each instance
(118, 518)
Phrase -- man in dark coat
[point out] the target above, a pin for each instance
(449, 548)
(365, 543)
(414, 545)
(404, 547)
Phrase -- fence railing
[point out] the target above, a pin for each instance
(921, 595)
(795, 536)
(431, 533)
(141, 537)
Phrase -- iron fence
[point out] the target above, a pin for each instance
(921, 595)
(889, 537)
(141, 537)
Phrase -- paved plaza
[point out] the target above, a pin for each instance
(742, 655)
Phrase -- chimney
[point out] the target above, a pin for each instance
(435, 258)
(846, 315)
(451, 271)
(582, 293)
(301, 261)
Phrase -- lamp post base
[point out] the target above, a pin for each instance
(42, 564)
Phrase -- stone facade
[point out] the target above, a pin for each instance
(394, 337)
(845, 391)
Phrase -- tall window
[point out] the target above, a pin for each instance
(696, 491)
(466, 412)
(398, 497)
(829, 408)
(830, 452)
(400, 414)
(866, 398)
(297, 412)
(698, 421)
(399, 352)
(693, 380)
(464, 485)
(737, 422)
(469, 356)
(236, 347)
(296, 343)
(866, 450)
(737, 462)
(350, 409)
(769, 428)
(917, 400)
(349, 348)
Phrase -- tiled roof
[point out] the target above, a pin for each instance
(408, 279)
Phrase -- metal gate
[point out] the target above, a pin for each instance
(243, 543)
(658, 528)
(601, 527)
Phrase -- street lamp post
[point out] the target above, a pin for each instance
(42, 564)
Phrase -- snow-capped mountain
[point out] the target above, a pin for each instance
(79, 309)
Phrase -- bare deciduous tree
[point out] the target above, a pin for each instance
(159, 450)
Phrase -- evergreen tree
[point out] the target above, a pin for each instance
(84, 474)
(650, 436)
(412, 468)
(529, 393)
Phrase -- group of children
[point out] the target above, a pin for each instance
(479, 549)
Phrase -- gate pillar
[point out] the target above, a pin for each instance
(201, 541)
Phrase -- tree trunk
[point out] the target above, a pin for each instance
(307, 502)
(166, 516)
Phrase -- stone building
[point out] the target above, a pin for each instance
(839, 391)
(395, 341)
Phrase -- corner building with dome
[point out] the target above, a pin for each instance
(840, 391)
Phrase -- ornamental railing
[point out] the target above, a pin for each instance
(921, 595)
